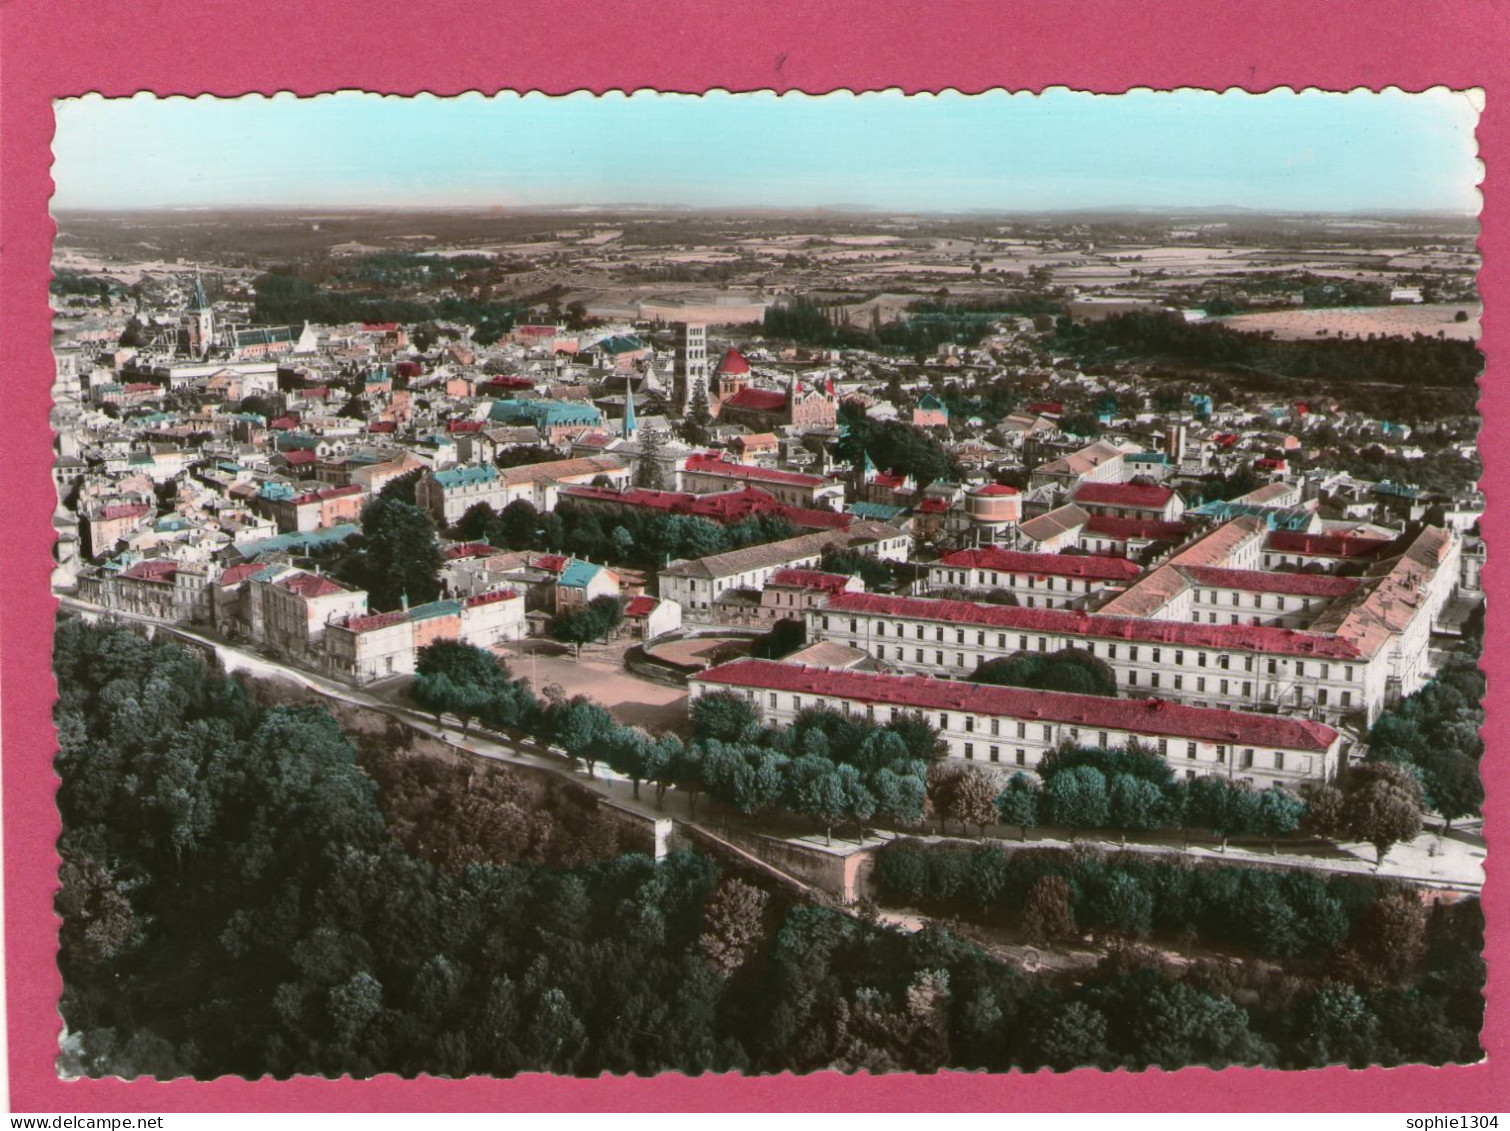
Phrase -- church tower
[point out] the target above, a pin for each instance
(691, 372)
(199, 322)
(631, 428)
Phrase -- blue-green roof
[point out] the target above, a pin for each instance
(306, 540)
(876, 512)
(1148, 457)
(465, 476)
(291, 441)
(1278, 518)
(578, 575)
(277, 491)
(544, 414)
(620, 343)
(435, 609)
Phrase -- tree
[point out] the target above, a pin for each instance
(1048, 914)
(1227, 808)
(1076, 799)
(1072, 670)
(398, 559)
(1121, 907)
(97, 918)
(518, 526)
(1072, 1037)
(648, 473)
(1017, 804)
(962, 793)
(1279, 813)
(1134, 804)
(785, 637)
(733, 925)
(1453, 783)
(725, 716)
(1382, 805)
(1336, 1027)
(461, 679)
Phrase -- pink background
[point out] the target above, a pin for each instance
(55, 48)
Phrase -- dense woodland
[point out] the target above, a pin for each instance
(240, 895)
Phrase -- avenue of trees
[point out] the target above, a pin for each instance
(631, 537)
(1435, 735)
(244, 891)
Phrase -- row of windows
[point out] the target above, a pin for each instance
(962, 577)
(1317, 669)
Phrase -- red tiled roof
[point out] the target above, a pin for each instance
(328, 493)
(1122, 529)
(1156, 717)
(378, 327)
(468, 550)
(1262, 581)
(553, 562)
(995, 489)
(758, 400)
(490, 598)
(713, 464)
(808, 579)
(154, 569)
(383, 426)
(934, 506)
(1324, 545)
(124, 510)
(641, 606)
(735, 364)
(464, 425)
(376, 620)
(1123, 495)
(140, 387)
(299, 456)
(311, 585)
(1045, 408)
(1237, 637)
(1042, 565)
(284, 423)
(236, 574)
(888, 479)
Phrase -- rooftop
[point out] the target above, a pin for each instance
(1056, 565)
(1153, 717)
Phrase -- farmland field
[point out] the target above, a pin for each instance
(1361, 321)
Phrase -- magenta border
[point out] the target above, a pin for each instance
(448, 46)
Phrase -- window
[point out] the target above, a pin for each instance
(1022, 756)
(920, 635)
(854, 625)
(1153, 680)
(1200, 684)
(1223, 662)
(1349, 671)
(980, 639)
(825, 624)
(1247, 691)
(959, 659)
(796, 702)
(1164, 747)
(1195, 617)
(1200, 659)
(996, 753)
(1273, 667)
(1179, 682)
(1179, 658)
(1111, 651)
(1347, 698)
(1300, 669)
(969, 724)
(1190, 750)
(938, 634)
(1248, 759)
(938, 659)
(970, 751)
(881, 629)
(1321, 697)
(943, 722)
(880, 651)
(959, 636)
(920, 655)
(1101, 739)
(1158, 656)
(1022, 643)
(1132, 679)
(1043, 645)
(1074, 734)
(1221, 755)
(1001, 640)
(1326, 671)
(1132, 654)
(1022, 729)
(1279, 759)
(773, 699)
(1048, 733)
(1189, 775)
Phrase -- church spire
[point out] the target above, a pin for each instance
(630, 427)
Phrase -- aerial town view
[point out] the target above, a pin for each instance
(673, 592)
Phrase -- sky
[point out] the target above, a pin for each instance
(1281, 151)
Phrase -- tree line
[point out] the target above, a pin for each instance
(1415, 361)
